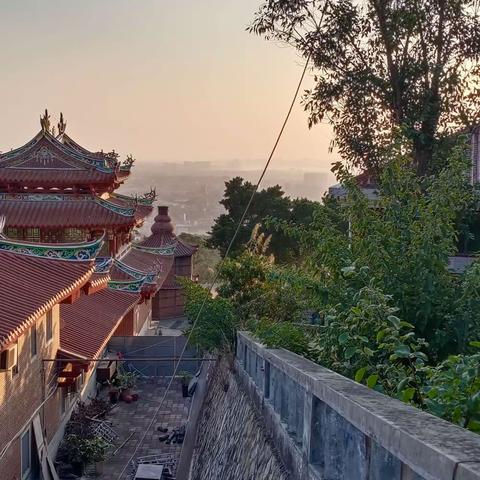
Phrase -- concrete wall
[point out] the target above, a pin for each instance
(326, 426)
(231, 442)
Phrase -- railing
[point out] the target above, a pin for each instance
(326, 426)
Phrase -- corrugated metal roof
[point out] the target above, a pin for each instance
(31, 286)
(88, 323)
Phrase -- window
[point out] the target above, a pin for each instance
(26, 453)
(33, 341)
(73, 235)
(32, 234)
(49, 325)
(12, 232)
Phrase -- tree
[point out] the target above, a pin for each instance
(383, 66)
(268, 204)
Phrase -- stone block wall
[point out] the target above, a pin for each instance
(231, 441)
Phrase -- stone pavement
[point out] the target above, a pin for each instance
(135, 418)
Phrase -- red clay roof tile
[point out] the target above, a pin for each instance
(31, 286)
(88, 324)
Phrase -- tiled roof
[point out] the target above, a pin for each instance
(31, 286)
(45, 160)
(88, 323)
(75, 212)
(141, 210)
(139, 261)
(163, 239)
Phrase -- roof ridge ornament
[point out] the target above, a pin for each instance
(127, 163)
(45, 122)
(62, 125)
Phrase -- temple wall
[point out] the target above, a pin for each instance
(22, 393)
(125, 327)
(169, 303)
(142, 316)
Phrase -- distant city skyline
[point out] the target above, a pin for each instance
(127, 77)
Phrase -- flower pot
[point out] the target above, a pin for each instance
(184, 390)
(113, 395)
(126, 393)
(99, 468)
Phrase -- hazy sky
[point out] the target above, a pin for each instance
(165, 80)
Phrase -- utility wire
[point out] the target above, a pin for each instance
(227, 252)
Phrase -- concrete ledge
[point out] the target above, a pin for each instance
(433, 448)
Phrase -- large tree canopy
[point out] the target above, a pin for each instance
(269, 203)
(383, 66)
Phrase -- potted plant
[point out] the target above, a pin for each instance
(113, 391)
(185, 378)
(82, 451)
(126, 382)
(96, 449)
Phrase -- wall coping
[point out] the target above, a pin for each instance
(434, 448)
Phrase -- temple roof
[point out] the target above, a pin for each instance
(60, 162)
(139, 271)
(102, 312)
(33, 278)
(45, 160)
(66, 210)
(163, 237)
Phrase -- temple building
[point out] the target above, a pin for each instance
(36, 394)
(53, 190)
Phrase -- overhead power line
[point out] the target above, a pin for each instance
(222, 261)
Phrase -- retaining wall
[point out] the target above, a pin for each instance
(326, 426)
(231, 442)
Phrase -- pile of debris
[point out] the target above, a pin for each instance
(176, 435)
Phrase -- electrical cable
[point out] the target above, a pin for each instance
(227, 252)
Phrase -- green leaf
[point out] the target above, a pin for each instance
(350, 352)
(408, 394)
(381, 335)
(402, 351)
(475, 344)
(372, 380)
(368, 352)
(360, 374)
(342, 338)
(395, 321)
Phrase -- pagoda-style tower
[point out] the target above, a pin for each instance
(53, 190)
(169, 300)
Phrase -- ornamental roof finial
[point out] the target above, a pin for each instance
(45, 121)
(62, 125)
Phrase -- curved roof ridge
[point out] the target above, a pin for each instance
(86, 161)
(73, 252)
